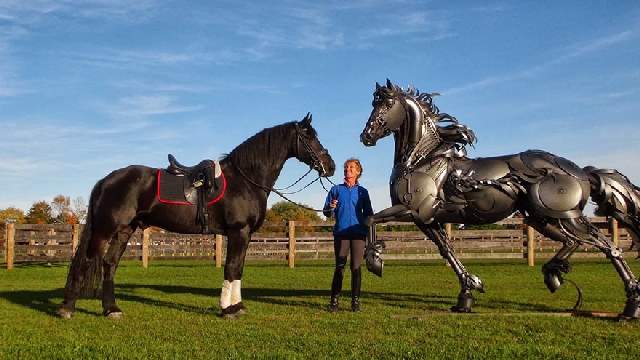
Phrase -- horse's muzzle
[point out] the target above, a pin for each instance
(366, 139)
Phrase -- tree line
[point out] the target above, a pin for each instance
(61, 210)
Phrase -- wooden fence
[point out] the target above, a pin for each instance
(294, 240)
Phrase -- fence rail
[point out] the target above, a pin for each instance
(296, 240)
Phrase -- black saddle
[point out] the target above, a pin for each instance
(176, 168)
(199, 185)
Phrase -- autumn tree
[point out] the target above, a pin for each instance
(11, 213)
(284, 210)
(61, 210)
(39, 213)
(80, 209)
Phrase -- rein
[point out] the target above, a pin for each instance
(277, 192)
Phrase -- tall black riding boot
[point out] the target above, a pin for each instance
(336, 288)
(356, 282)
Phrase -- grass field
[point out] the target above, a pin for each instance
(170, 312)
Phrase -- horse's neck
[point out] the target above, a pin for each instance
(265, 168)
(411, 132)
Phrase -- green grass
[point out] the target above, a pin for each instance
(170, 312)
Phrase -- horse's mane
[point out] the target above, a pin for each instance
(263, 145)
(454, 132)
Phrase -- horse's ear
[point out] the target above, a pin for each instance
(389, 84)
(307, 120)
(377, 86)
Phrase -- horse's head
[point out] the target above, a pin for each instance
(310, 151)
(387, 115)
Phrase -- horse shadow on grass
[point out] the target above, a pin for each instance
(41, 300)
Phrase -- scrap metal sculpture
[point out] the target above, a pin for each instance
(434, 182)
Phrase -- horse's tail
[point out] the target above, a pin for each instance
(616, 196)
(85, 273)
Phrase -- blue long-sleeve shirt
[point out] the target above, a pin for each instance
(354, 206)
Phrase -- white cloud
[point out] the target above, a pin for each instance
(596, 45)
(32, 11)
(147, 105)
(573, 51)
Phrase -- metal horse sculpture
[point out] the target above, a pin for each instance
(433, 182)
(126, 199)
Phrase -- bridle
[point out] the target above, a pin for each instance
(315, 158)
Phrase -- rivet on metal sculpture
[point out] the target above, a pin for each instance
(433, 182)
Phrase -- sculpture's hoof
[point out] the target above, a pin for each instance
(553, 280)
(64, 313)
(465, 302)
(631, 309)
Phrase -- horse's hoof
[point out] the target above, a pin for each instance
(65, 313)
(115, 315)
(233, 311)
(240, 308)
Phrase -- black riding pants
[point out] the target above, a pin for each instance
(344, 246)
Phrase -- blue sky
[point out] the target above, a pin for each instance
(87, 87)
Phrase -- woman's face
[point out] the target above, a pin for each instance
(351, 170)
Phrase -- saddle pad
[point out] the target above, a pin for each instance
(171, 188)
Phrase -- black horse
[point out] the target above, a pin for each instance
(434, 182)
(127, 199)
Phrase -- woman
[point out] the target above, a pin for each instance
(349, 203)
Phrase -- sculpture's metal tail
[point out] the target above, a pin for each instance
(616, 196)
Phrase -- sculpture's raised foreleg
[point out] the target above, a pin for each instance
(374, 247)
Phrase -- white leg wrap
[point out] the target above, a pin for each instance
(225, 295)
(236, 297)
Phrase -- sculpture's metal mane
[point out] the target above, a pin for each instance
(454, 132)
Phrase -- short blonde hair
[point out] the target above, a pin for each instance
(355, 161)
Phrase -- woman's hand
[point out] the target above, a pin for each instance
(333, 204)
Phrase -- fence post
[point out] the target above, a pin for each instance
(218, 251)
(75, 237)
(531, 245)
(613, 227)
(292, 243)
(447, 229)
(11, 238)
(146, 234)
